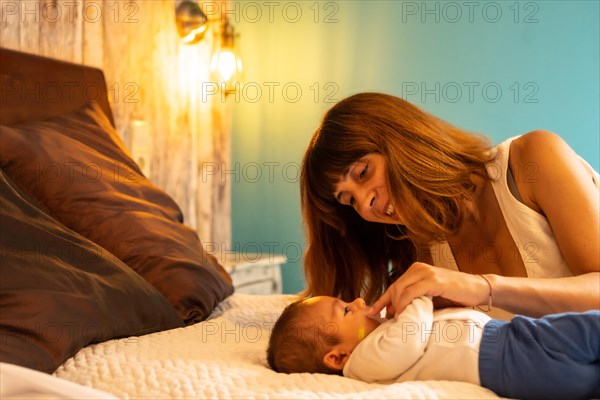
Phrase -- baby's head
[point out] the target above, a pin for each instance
(318, 334)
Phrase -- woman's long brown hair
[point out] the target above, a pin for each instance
(430, 166)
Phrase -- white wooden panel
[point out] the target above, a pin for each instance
(151, 76)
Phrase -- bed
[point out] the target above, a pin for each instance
(104, 289)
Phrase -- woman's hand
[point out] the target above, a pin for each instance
(426, 280)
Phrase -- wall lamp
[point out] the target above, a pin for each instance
(226, 64)
(191, 22)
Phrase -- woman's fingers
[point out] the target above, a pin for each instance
(390, 312)
(421, 288)
(418, 280)
(381, 303)
(387, 299)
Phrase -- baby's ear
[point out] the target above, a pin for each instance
(336, 358)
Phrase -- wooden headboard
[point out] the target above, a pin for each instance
(35, 88)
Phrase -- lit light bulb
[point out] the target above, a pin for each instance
(225, 63)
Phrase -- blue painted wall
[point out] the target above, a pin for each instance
(501, 68)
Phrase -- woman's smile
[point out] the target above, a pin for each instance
(365, 188)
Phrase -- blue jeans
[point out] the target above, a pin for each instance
(553, 357)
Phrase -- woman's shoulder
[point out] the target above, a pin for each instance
(531, 160)
(536, 149)
(541, 160)
(536, 143)
(529, 146)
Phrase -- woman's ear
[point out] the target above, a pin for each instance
(336, 358)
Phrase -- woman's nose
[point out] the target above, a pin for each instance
(358, 304)
(367, 200)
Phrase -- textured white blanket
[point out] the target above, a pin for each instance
(224, 357)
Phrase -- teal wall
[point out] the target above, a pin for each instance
(501, 68)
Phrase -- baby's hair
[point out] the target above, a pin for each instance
(298, 342)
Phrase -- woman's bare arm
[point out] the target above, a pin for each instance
(538, 297)
(564, 192)
(527, 296)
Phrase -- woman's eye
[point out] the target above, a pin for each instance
(364, 171)
(351, 202)
(346, 310)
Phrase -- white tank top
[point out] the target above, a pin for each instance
(530, 230)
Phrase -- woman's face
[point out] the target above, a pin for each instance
(365, 189)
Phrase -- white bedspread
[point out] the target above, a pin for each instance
(224, 357)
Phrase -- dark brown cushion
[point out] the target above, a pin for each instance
(61, 292)
(78, 168)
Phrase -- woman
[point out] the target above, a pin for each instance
(391, 193)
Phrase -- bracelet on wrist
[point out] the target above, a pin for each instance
(489, 304)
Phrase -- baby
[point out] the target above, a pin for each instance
(557, 356)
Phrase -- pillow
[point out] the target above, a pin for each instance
(61, 292)
(78, 168)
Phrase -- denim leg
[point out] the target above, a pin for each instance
(554, 357)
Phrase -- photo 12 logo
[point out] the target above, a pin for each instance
(271, 92)
(470, 92)
(453, 12)
(252, 252)
(91, 11)
(16, 91)
(292, 12)
(251, 172)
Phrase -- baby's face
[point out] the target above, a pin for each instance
(349, 321)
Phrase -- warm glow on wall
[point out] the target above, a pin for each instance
(192, 70)
(226, 64)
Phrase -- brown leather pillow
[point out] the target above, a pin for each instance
(61, 292)
(78, 168)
